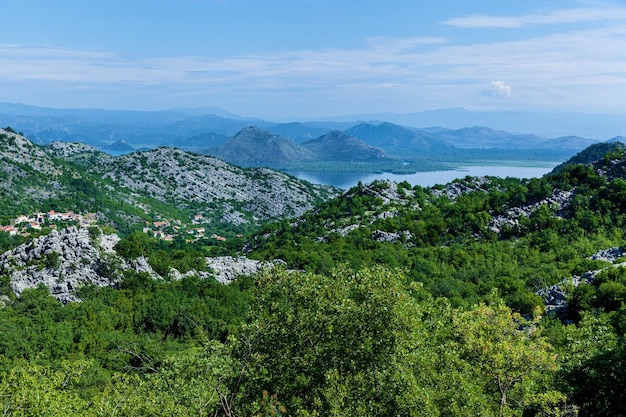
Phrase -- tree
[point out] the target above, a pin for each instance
(34, 390)
(134, 246)
(328, 344)
(508, 357)
(369, 343)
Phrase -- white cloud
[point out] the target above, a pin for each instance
(576, 15)
(496, 89)
(585, 68)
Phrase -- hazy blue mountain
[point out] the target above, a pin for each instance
(332, 124)
(254, 146)
(484, 137)
(210, 123)
(119, 146)
(200, 142)
(548, 124)
(621, 139)
(339, 146)
(300, 132)
(102, 127)
(201, 111)
(570, 142)
(404, 135)
(395, 138)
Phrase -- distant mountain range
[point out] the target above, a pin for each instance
(397, 138)
(234, 139)
(254, 146)
(548, 124)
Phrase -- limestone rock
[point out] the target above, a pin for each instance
(559, 201)
(226, 269)
(63, 261)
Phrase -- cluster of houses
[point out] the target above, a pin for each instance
(24, 224)
(164, 230)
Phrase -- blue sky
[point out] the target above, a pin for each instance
(296, 59)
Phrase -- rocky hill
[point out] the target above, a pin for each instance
(253, 147)
(31, 177)
(70, 150)
(162, 181)
(212, 187)
(75, 257)
(257, 147)
(395, 138)
(372, 208)
(592, 154)
(340, 147)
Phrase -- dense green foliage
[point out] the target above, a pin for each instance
(448, 246)
(367, 342)
(439, 317)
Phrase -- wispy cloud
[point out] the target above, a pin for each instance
(576, 15)
(496, 89)
(578, 69)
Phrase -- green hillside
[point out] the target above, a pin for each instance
(485, 296)
(129, 190)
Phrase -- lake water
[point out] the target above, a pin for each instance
(346, 180)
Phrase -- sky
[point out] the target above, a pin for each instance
(295, 59)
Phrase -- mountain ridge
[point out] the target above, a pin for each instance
(254, 146)
(79, 177)
(172, 128)
(341, 147)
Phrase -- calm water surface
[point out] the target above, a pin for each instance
(425, 179)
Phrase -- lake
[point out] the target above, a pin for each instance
(346, 180)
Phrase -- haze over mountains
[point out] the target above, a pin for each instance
(254, 142)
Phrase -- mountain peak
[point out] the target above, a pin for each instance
(340, 146)
(253, 131)
(254, 146)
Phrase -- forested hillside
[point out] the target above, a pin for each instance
(485, 296)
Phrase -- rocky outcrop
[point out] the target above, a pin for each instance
(454, 190)
(68, 259)
(387, 191)
(558, 202)
(608, 255)
(226, 269)
(555, 296)
(381, 236)
(217, 189)
(63, 261)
